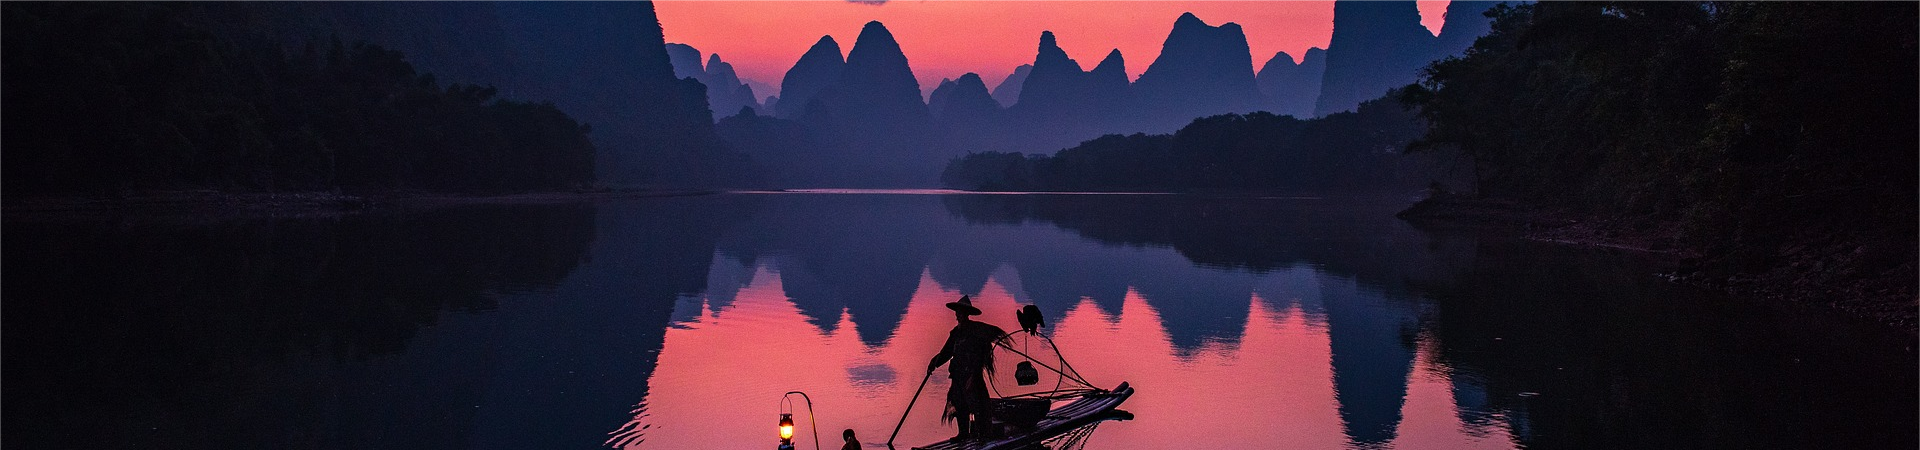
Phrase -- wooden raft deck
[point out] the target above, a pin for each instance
(1075, 414)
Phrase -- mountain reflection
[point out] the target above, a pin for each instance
(865, 254)
(1247, 322)
(1277, 380)
(841, 297)
(678, 322)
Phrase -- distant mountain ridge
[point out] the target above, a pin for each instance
(962, 100)
(869, 103)
(817, 68)
(1379, 45)
(1202, 70)
(726, 93)
(876, 90)
(1465, 22)
(608, 61)
(866, 109)
(1375, 46)
(1008, 91)
(966, 117)
(1060, 102)
(1292, 88)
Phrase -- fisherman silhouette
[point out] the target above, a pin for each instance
(852, 444)
(970, 348)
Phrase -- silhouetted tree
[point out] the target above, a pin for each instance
(1767, 132)
(1345, 152)
(119, 96)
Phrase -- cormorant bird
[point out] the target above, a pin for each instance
(1030, 319)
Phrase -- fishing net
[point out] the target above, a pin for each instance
(1034, 358)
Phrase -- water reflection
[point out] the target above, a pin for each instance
(1281, 369)
(1319, 359)
(259, 332)
(1280, 323)
(677, 323)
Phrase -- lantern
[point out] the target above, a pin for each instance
(786, 421)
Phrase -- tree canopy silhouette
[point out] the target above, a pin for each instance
(1345, 152)
(107, 97)
(1770, 134)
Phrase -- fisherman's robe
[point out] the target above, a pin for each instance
(970, 348)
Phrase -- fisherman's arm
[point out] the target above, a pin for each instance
(946, 353)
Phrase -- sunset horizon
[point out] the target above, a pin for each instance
(1008, 33)
(961, 224)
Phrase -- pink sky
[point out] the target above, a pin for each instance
(947, 38)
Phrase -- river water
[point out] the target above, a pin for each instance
(678, 323)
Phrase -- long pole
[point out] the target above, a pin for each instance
(903, 415)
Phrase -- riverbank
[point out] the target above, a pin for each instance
(1855, 278)
(296, 204)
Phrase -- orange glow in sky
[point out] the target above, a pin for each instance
(947, 38)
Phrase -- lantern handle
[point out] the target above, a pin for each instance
(811, 423)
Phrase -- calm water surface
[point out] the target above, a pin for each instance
(678, 323)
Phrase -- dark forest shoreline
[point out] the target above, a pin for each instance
(1886, 300)
(210, 203)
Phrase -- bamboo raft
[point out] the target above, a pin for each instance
(1075, 414)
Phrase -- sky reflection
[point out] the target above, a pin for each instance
(677, 323)
(733, 351)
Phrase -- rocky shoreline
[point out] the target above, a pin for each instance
(1805, 274)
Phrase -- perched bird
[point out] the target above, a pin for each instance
(1030, 319)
